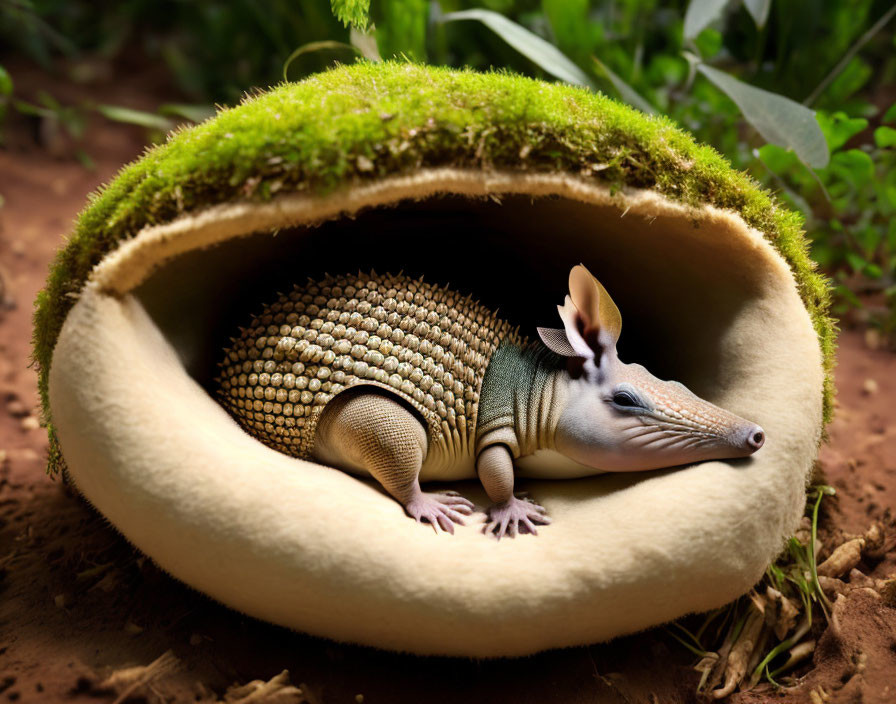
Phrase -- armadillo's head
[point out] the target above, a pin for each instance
(619, 417)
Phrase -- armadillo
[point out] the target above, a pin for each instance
(407, 382)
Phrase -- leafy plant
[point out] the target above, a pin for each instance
(744, 642)
(5, 93)
(851, 206)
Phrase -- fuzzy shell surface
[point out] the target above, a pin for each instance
(427, 344)
(321, 134)
(301, 545)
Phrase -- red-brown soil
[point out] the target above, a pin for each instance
(79, 606)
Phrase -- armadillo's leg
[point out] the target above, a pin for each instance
(372, 432)
(510, 513)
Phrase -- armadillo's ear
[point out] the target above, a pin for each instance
(555, 340)
(596, 308)
(572, 331)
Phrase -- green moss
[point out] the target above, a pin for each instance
(365, 121)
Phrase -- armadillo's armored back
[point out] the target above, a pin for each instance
(427, 344)
(494, 183)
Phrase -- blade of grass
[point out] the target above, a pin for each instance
(540, 52)
(695, 651)
(312, 47)
(787, 644)
(823, 490)
(690, 635)
(193, 113)
(710, 617)
(135, 117)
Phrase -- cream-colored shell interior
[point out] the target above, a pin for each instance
(704, 299)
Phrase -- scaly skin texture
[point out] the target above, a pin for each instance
(427, 344)
(401, 380)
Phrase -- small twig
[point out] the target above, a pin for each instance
(741, 652)
(129, 680)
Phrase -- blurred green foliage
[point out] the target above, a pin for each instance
(834, 56)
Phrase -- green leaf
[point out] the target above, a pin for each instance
(838, 128)
(31, 109)
(890, 195)
(869, 238)
(778, 119)
(85, 160)
(700, 14)
(5, 92)
(542, 53)
(49, 101)
(854, 75)
(666, 70)
(885, 137)
(193, 113)
(854, 165)
(777, 159)
(873, 271)
(135, 117)
(758, 10)
(629, 94)
(890, 115)
(848, 295)
(5, 82)
(709, 43)
(855, 261)
(351, 12)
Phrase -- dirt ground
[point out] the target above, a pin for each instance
(84, 617)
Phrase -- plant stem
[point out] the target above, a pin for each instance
(695, 651)
(813, 563)
(780, 648)
(848, 56)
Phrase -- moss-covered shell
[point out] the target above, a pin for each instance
(491, 185)
(362, 122)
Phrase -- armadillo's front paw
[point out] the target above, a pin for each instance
(439, 510)
(517, 515)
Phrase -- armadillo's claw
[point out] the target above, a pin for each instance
(439, 510)
(514, 516)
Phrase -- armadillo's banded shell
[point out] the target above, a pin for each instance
(428, 344)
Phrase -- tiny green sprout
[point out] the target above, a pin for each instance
(795, 575)
(821, 491)
(694, 646)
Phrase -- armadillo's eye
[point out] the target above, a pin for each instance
(626, 399)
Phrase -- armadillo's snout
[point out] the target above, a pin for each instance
(752, 438)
